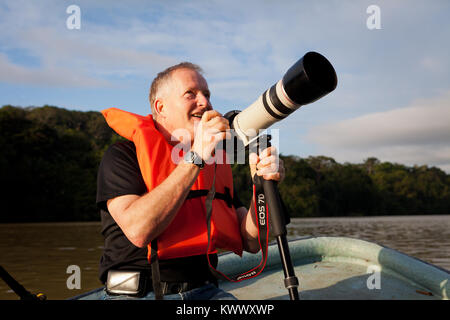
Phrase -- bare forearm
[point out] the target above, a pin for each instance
(147, 216)
(249, 230)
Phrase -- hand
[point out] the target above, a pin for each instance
(267, 164)
(211, 129)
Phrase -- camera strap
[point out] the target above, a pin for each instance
(262, 219)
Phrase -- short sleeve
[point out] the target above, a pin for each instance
(119, 173)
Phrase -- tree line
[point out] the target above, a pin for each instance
(50, 156)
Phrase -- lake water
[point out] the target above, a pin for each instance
(38, 255)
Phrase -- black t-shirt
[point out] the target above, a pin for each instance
(118, 175)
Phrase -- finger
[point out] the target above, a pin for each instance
(208, 115)
(212, 127)
(267, 161)
(211, 131)
(268, 151)
(218, 122)
(222, 136)
(253, 161)
(253, 158)
(267, 170)
(272, 176)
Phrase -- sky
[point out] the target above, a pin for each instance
(392, 101)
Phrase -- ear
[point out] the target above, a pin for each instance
(160, 108)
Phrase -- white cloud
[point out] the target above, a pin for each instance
(418, 134)
(46, 76)
(243, 46)
(92, 55)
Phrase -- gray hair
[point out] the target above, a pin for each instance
(164, 76)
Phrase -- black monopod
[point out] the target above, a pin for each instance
(308, 80)
(18, 289)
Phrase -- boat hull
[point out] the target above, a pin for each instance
(339, 268)
(334, 268)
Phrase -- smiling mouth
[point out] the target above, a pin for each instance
(197, 115)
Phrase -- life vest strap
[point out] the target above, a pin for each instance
(217, 195)
(156, 276)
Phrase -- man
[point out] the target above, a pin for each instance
(137, 208)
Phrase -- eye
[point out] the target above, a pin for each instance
(189, 94)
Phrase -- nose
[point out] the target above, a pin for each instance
(203, 101)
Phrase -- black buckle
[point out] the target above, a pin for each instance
(180, 287)
(222, 196)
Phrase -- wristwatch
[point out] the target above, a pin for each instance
(194, 158)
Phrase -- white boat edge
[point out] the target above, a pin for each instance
(409, 269)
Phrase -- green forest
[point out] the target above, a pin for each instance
(50, 157)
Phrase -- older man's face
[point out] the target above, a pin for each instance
(185, 100)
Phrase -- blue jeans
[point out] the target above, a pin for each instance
(207, 292)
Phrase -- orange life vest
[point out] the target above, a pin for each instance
(187, 233)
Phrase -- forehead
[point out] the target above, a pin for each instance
(188, 79)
